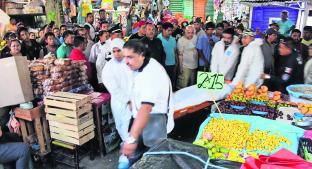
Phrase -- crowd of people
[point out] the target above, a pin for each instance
(278, 57)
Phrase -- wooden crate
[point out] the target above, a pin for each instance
(70, 117)
(67, 101)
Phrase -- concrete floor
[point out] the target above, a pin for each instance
(185, 130)
(109, 161)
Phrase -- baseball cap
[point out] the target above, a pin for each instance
(271, 31)
(248, 32)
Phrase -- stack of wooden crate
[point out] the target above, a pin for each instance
(70, 117)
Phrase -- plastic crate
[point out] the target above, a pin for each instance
(304, 142)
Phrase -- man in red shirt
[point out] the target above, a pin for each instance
(80, 44)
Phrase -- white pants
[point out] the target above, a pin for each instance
(122, 116)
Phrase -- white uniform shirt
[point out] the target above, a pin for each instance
(251, 65)
(225, 61)
(118, 79)
(99, 54)
(152, 85)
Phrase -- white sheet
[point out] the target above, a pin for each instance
(191, 96)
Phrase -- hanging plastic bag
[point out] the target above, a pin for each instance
(86, 7)
(13, 124)
(282, 159)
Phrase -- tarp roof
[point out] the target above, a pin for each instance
(269, 2)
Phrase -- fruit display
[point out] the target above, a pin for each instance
(237, 94)
(263, 141)
(305, 108)
(276, 96)
(242, 108)
(232, 140)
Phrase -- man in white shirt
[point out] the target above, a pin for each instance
(117, 78)
(225, 55)
(251, 65)
(89, 22)
(152, 107)
(100, 52)
(188, 58)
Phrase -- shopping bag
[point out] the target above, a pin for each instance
(282, 159)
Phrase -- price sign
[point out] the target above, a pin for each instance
(210, 81)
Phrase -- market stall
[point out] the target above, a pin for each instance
(247, 127)
(29, 12)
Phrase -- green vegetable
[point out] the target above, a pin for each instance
(223, 150)
(306, 155)
(210, 145)
(210, 154)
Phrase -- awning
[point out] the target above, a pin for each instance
(269, 2)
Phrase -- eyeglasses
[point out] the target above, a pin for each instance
(115, 51)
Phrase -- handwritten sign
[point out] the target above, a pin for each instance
(210, 81)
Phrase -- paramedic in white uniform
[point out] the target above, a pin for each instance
(151, 103)
(117, 78)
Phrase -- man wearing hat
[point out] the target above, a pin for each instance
(115, 32)
(285, 25)
(117, 78)
(141, 25)
(289, 67)
(268, 50)
(251, 64)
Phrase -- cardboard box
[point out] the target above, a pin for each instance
(15, 84)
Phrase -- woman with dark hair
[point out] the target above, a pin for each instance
(15, 49)
(6, 50)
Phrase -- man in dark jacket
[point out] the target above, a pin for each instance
(30, 47)
(268, 49)
(153, 44)
(289, 69)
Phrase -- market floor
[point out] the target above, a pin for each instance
(109, 161)
(186, 129)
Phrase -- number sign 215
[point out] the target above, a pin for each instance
(210, 81)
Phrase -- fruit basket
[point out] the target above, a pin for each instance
(300, 93)
(305, 149)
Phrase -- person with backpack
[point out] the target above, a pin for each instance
(50, 47)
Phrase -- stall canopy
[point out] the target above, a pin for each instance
(269, 2)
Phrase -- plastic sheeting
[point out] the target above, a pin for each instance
(179, 161)
(191, 96)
